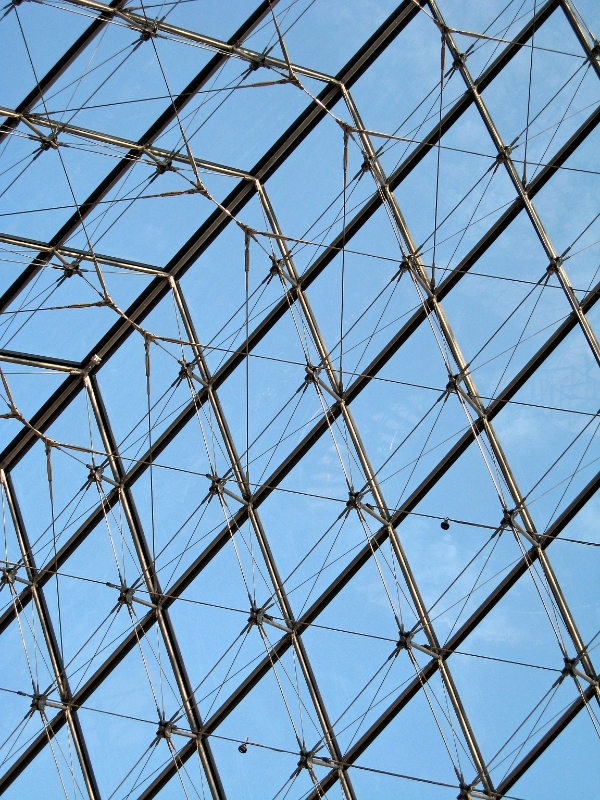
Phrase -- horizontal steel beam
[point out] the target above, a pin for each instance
(153, 27)
(72, 254)
(157, 157)
(41, 362)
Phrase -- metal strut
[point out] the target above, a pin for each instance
(54, 652)
(153, 588)
(245, 490)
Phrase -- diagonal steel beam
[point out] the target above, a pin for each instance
(517, 572)
(544, 743)
(591, 51)
(61, 65)
(358, 385)
(242, 480)
(554, 260)
(49, 634)
(158, 127)
(153, 294)
(555, 267)
(153, 588)
(340, 582)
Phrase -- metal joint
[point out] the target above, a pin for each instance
(554, 265)
(7, 576)
(504, 154)
(49, 142)
(165, 730)
(465, 792)
(571, 669)
(95, 474)
(459, 61)
(312, 373)
(70, 269)
(127, 596)
(257, 62)
(149, 32)
(164, 166)
(39, 702)
(354, 499)
(259, 617)
(404, 640)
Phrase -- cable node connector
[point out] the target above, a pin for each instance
(258, 616)
(165, 730)
(164, 166)
(453, 384)
(354, 499)
(312, 373)
(504, 154)
(96, 473)
(465, 792)
(149, 32)
(554, 265)
(459, 61)
(39, 702)
(186, 371)
(258, 62)
(49, 142)
(275, 269)
(7, 576)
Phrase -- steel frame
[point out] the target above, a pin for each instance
(81, 378)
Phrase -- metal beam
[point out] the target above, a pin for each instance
(559, 726)
(158, 127)
(415, 686)
(276, 156)
(357, 386)
(63, 63)
(520, 508)
(72, 254)
(230, 49)
(48, 632)
(147, 566)
(156, 156)
(154, 293)
(554, 261)
(243, 486)
(591, 51)
(342, 580)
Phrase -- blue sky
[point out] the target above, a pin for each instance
(205, 317)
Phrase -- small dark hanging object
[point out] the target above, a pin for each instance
(243, 748)
(445, 525)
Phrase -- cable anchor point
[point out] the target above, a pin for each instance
(503, 154)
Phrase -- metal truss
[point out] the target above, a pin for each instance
(205, 373)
